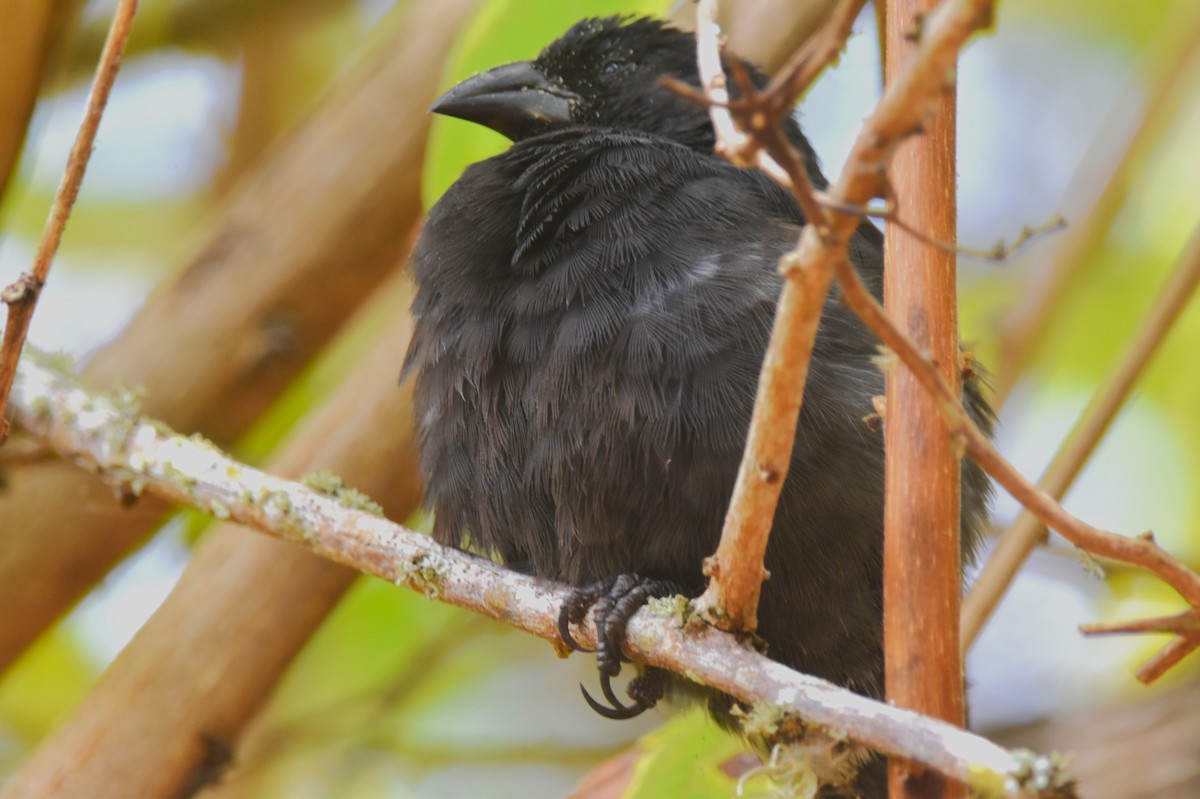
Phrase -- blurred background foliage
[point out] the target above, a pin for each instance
(401, 697)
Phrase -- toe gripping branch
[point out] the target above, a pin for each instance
(613, 602)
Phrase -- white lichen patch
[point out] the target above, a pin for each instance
(425, 573)
(676, 608)
(800, 769)
(329, 484)
(283, 515)
(1042, 775)
(218, 509)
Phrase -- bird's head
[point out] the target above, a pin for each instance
(601, 72)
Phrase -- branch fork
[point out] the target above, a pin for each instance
(736, 569)
(22, 296)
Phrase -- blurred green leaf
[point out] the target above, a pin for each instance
(45, 684)
(104, 228)
(1108, 22)
(373, 635)
(683, 758)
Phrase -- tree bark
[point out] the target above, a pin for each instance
(921, 509)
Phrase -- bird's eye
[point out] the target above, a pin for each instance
(613, 66)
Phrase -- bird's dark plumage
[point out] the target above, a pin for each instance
(592, 311)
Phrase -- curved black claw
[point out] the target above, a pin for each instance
(615, 710)
(625, 596)
(613, 602)
(645, 691)
(564, 631)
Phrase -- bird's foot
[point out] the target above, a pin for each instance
(613, 602)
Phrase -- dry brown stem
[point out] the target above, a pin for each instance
(304, 238)
(807, 63)
(761, 115)
(122, 445)
(1141, 551)
(21, 297)
(732, 143)
(736, 570)
(1016, 544)
(737, 567)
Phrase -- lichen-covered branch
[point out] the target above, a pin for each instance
(109, 436)
(263, 290)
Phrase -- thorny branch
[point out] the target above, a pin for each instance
(736, 569)
(22, 296)
(111, 437)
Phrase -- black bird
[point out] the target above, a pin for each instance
(592, 310)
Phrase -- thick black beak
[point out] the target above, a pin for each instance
(514, 100)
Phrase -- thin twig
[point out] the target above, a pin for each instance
(736, 569)
(1142, 551)
(759, 113)
(999, 251)
(732, 143)
(112, 438)
(747, 129)
(1027, 531)
(1186, 622)
(22, 296)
